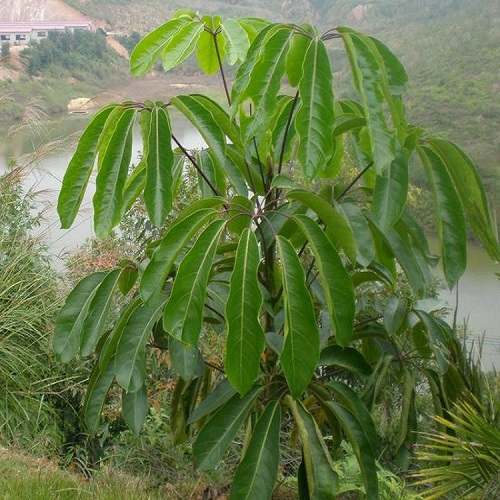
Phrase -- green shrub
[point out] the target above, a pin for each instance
(28, 302)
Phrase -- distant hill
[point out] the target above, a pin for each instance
(38, 10)
(451, 49)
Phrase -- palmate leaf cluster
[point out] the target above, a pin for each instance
(277, 252)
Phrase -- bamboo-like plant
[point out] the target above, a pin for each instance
(28, 307)
(464, 456)
(277, 252)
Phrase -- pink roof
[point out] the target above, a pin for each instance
(24, 27)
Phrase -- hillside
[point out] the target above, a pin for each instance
(451, 49)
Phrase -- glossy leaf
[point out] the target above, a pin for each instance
(369, 79)
(130, 358)
(315, 119)
(181, 45)
(69, 321)
(220, 116)
(322, 480)
(151, 47)
(110, 181)
(296, 56)
(98, 312)
(219, 432)
(186, 360)
(79, 169)
(97, 391)
(218, 397)
(135, 408)
(176, 237)
(450, 219)
(337, 285)
(391, 191)
(263, 85)
(237, 41)
(206, 52)
(395, 314)
(337, 228)
(159, 164)
(128, 276)
(350, 399)
(183, 315)
(364, 241)
(245, 336)
(200, 116)
(355, 432)
(134, 184)
(345, 357)
(301, 347)
(471, 192)
(244, 71)
(256, 475)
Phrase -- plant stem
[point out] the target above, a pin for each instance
(287, 128)
(196, 166)
(356, 179)
(219, 59)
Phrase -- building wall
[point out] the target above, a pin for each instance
(23, 33)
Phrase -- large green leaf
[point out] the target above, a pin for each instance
(315, 119)
(391, 191)
(244, 71)
(369, 79)
(361, 231)
(337, 285)
(237, 41)
(450, 218)
(98, 312)
(206, 51)
(357, 435)
(471, 192)
(198, 112)
(79, 169)
(97, 390)
(245, 336)
(130, 357)
(218, 397)
(337, 228)
(151, 47)
(212, 177)
(181, 44)
(69, 321)
(110, 181)
(353, 402)
(295, 57)
(345, 357)
(257, 472)
(159, 163)
(322, 480)
(219, 432)
(186, 359)
(183, 315)
(160, 265)
(135, 408)
(220, 116)
(108, 350)
(264, 84)
(301, 346)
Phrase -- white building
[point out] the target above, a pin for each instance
(23, 32)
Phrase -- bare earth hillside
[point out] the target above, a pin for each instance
(38, 10)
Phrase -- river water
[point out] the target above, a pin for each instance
(46, 152)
